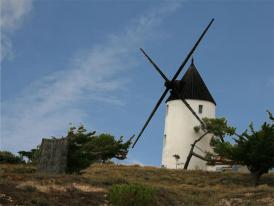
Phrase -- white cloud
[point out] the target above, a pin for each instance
(13, 13)
(47, 106)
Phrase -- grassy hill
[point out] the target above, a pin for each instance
(21, 185)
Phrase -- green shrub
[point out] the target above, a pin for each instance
(40, 202)
(132, 195)
(86, 148)
(8, 157)
(29, 188)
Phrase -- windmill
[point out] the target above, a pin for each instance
(175, 129)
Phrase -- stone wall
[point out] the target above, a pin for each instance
(53, 156)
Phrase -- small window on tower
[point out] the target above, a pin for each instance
(200, 109)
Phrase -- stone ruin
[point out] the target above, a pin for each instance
(53, 156)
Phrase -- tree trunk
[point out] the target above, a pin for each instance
(191, 150)
(256, 177)
(189, 157)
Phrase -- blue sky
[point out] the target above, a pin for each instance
(79, 62)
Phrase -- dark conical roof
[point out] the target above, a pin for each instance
(192, 86)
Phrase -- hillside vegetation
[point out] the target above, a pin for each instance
(21, 185)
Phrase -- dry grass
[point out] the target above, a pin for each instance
(19, 184)
(178, 187)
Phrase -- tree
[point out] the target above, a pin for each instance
(31, 155)
(86, 148)
(218, 128)
(8, 157)
(252, 148)
(26, 154)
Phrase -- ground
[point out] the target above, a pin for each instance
(21, 185)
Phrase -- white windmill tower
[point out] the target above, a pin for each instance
(179, 131)
(181, 113)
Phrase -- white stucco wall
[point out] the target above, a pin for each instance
(179, 133)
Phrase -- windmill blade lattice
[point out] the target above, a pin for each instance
(151, 115)
(174, 88)
(170, 83)
(155, 65)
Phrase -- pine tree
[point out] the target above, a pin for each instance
(252, 148)
(86, 148)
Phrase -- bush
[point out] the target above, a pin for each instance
(29, 188)
(8, 157)
(86, 148)
(132, 195)
(40, 202)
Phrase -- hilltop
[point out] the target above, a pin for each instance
(21, 185)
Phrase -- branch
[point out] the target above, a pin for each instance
(270, 115)
(200, 138)
(200, 157)
(192, 148)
